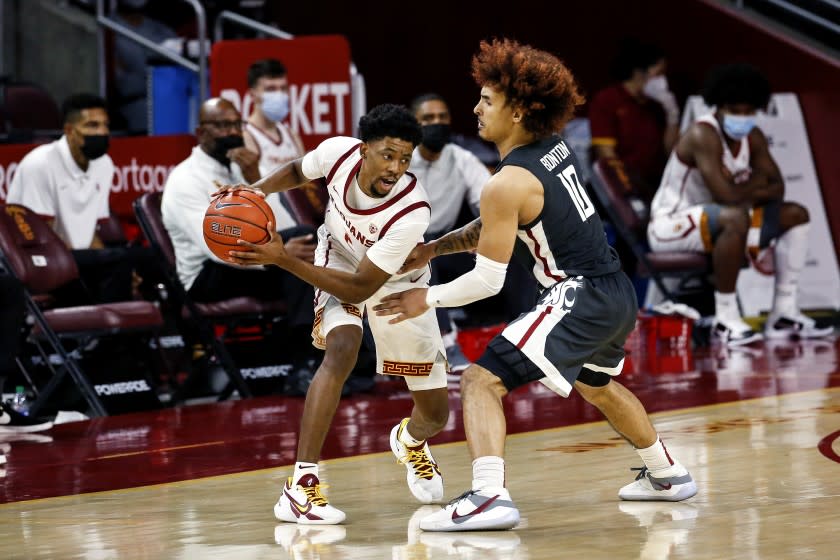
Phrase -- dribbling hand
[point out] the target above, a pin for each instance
(222, 190)
(272, 251)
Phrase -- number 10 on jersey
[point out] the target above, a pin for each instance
(577, 192)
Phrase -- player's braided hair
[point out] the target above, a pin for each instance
(732, 84)
(533, 79)
(390, 120)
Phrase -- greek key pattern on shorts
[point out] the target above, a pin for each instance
(352, 309)
(317, 338)
(408, 369)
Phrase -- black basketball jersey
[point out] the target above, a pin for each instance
(567, 238)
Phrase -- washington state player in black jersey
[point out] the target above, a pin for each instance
(535, 207)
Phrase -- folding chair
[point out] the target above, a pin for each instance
(309, 202)
(203, 317)
(629, 214)
(32, 252)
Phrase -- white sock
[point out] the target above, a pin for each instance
(303, 469)
(726, 307)
(790, 252)
(488, 471)
(409, 440)
(658, 462)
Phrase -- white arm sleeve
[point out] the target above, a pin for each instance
(485, 280)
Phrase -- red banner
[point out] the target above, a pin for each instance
(142, 165)
(319, 81)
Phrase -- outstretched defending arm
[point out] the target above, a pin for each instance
(501, 201)
(457, 241)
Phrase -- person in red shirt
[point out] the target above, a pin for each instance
(635, 120)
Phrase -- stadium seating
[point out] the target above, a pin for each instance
(34, 253)
(28, 113)
(208, 322)
(629, 214)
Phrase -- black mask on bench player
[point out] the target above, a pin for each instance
(436, 136)
(223, 145)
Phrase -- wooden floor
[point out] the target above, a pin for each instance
(768, 471)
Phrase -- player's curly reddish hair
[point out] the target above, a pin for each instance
(533, 79)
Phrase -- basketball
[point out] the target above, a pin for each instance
(236, 215)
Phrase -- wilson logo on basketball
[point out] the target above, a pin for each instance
(225, 229)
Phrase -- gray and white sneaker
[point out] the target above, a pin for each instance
(475, 510)
(646, 487)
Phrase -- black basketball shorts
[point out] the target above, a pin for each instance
(579, 322)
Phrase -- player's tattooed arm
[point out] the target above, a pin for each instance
(460, 240)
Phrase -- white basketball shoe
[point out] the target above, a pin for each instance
(646, 487)
(476, 510)
(305, 504)
(423, 476)
(794, 325)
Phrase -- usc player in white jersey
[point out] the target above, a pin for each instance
(377, 213)
(723, 194)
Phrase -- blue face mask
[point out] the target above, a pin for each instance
(275, 105)
(738, 126)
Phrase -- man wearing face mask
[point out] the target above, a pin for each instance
(722, 194)
(266, 134)
(452, 175)
(635, 120)
(221, 158)
(68, 182)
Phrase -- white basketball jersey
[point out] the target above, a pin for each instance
(683, 186)
(355, 222)
(273, 154)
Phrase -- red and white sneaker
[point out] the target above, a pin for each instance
(305, 504)
(423, 476)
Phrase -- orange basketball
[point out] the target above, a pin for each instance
(236, 215)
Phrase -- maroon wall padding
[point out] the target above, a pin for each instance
(428, 48)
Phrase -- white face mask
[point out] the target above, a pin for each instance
(655, 86)
(275, 105)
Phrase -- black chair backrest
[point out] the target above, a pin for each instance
(147, 210)
(37, 255)
(28, 106)
(309, 202)
(110, 231)
(624, 206)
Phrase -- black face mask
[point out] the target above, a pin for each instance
(436, 136)
(223, 144)
(95, 146)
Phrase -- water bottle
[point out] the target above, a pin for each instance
(20, 402)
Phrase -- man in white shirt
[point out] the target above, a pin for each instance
(68, 183)
(266, 134)
(221, 158)
(376, 215)
(453, 175)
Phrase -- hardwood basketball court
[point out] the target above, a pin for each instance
(762, 445)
